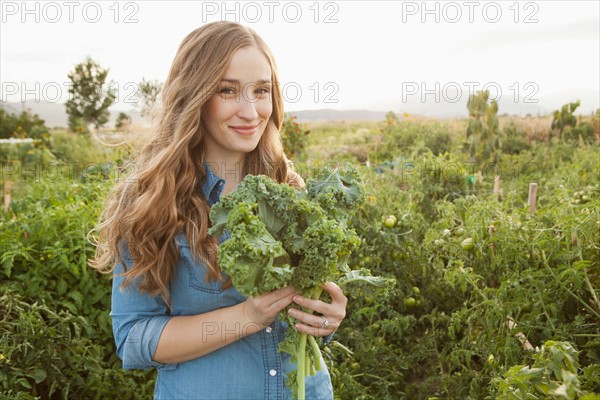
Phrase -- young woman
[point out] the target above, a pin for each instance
(172, 308)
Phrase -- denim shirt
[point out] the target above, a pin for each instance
(246, 369)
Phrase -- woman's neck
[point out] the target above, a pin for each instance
(230, 169)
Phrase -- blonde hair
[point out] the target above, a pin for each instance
(164, 197)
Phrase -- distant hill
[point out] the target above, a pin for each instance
(54, 114)
(338, 115)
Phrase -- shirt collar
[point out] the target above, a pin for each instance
(213, 186)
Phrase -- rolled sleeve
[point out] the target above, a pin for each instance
(141, 341)
(138, 320)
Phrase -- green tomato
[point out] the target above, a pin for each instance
(416, 290)
(585, 198)
(468, 244)
(446, 233)
(410, 302)
(527, 307)
(390, 221)
(460, 231)
(438, 242)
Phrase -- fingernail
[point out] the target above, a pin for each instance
(296, 297)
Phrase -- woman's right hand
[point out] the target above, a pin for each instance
(263, 309)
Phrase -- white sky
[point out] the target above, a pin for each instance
(369, 56)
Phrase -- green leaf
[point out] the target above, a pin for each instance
(39, 375)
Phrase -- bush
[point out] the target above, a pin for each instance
(294, 138)
(24, 123)
(59, 310)
(514, 141)
(50, 355)
(582, 133)
(79, 149)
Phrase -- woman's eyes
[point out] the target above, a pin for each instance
(261, 91)
(227, 90)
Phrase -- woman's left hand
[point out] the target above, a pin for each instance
(328, 316)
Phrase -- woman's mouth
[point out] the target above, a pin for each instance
(245, 130)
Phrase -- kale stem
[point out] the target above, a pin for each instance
(304, 361)
(307, 365)
(301, 367)
(316, 352)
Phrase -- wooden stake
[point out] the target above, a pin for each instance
(479, 178)
(522, 338)
(497, 188)
(492, 230)
(6, 196)
(533, 196)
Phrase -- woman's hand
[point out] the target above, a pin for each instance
(329, 316)
(263, 309)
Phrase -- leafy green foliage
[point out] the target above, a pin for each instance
(294, 137)
(88, 103)
(123, 121)
(54, 313)
(564, 119)
(23, 125)
(148, 93)
(52, 355)
(552, 376)
(539, 270)
(458, 324)
(514, 141)
(566, 127)
(279, 237)
(483, 136)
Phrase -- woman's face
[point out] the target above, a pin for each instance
(236, 115)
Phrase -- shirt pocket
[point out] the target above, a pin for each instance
(196, 272)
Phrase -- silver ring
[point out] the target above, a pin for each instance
(325, 322)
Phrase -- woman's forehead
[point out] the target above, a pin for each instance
(248, 63)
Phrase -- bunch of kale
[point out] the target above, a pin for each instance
(281, 237)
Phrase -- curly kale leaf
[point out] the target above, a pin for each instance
(326, 247)
(255, 260)
(338, 191)
(274, 203)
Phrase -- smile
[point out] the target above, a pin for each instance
(245, 130)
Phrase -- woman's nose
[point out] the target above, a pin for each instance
(247, 107)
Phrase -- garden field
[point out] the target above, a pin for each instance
(497, 280)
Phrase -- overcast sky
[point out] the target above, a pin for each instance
(339, 54)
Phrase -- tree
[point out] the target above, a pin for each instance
(148, 93)
(13, 125)
(483, 135)
(123, 121)
(88, 103)
(391, 119)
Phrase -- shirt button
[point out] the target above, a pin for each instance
(272, 372)
(269, 329)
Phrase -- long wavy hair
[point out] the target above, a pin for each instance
(164, 198)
